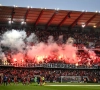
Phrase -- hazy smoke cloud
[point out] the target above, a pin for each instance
(14, 39)
(32, 38)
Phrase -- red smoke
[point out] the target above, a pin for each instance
(22, 52)
(42, 52)
(46, 53)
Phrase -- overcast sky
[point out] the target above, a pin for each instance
(89, 5)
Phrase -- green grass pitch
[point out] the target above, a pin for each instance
(70, 86)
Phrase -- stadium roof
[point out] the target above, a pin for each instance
(48, 17)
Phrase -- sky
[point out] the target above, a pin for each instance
(77, 5)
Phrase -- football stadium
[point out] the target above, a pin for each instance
(49, 49)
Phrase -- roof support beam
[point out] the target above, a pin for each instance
(51, 19)
(37, 21)
(26, 14)
(12, 14)
(61, 23)
(90, 19)
(74, 23)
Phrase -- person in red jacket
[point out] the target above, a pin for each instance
(9, 80)
(15, 80)
(28, 80)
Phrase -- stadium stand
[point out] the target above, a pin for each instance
(56, 23)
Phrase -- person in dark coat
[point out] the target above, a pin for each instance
(5, 79)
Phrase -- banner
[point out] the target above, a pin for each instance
(71, 78)
(54, 65)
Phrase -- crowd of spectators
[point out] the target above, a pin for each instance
(51, 75)
(81, 39)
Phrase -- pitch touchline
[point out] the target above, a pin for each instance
(72, 85)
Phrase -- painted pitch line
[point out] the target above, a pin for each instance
(73, 85)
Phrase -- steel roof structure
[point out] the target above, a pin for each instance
(48, 17)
